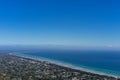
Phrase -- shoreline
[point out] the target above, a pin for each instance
(63, 64)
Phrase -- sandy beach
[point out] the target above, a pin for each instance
(60, 63)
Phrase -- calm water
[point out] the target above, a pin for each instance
(102, 61)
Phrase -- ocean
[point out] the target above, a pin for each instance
(107, 62)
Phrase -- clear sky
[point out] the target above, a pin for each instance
(60, 22)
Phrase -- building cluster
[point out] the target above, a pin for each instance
(18, 68)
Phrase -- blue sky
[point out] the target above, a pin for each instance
(60, 22)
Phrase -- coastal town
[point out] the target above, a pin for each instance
(19, 68)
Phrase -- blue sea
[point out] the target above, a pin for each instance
(107, 62)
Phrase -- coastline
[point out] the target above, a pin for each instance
(63, 64)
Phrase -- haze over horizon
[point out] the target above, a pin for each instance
(64, 22)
